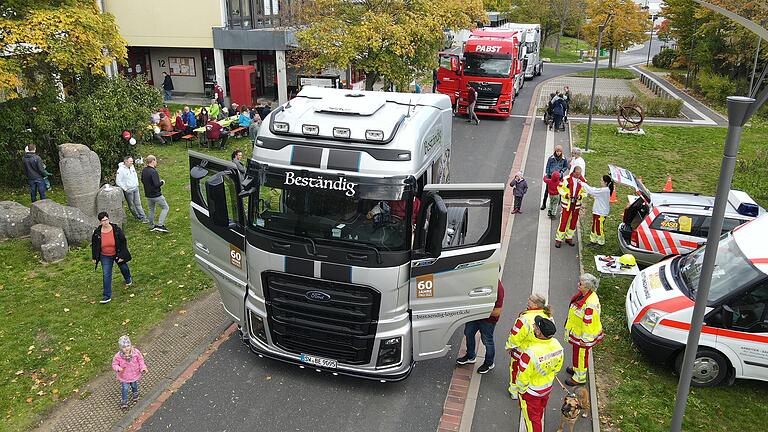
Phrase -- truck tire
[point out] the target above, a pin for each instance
(710, 368)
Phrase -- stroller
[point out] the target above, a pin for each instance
(549, 119)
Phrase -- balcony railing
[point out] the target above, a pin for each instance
(259, 14)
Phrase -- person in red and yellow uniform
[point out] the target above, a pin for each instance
(521, 335)
(583, 327)
(538, 366)
(571, 194)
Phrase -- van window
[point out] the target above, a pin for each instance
(728, 225)
(677, 223)
(750, 311)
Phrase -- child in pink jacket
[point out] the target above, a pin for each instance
(129, 365)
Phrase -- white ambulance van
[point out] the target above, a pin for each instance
(734, 340)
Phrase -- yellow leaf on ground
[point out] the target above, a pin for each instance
(182, 312)
(66, 309)
(29, 400)
(19, 372)
(57, 295)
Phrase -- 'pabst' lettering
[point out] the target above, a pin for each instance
(488, 48)
(320, 183)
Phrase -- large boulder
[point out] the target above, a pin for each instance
(50, 241)
(81, 175)
(77, 226)
(110, 200)
(15, 220)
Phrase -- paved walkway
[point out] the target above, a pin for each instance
(171, 347)
(582, 85)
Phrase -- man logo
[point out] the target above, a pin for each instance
(317, 296)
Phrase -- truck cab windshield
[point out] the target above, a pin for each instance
(487, 65)
(372, 215)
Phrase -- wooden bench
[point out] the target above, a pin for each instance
(168, 135)
(188, 138)
(235, 133)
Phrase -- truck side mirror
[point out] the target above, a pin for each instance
(217, 200)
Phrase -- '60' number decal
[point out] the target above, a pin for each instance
(235, 256)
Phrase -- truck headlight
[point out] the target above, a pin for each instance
(389, 351)
(651, 318)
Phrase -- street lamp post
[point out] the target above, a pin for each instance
(740, 109)
(600, 30)
(650, 41)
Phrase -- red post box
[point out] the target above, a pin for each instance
(242, 85)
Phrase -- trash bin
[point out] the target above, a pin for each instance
(603, 52)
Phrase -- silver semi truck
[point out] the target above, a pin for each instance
(533, 65)
(343, 247)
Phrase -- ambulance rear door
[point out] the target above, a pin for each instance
(455, 266)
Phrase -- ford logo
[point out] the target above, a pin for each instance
(317, 296)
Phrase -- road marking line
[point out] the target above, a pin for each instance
(541, 263)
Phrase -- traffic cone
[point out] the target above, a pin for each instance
(613, 196)
(668, 185)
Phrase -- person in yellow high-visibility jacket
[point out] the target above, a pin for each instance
(539, 364)
(571, 195)
(583, 327)
(521, 335)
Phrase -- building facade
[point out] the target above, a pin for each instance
(196, 41)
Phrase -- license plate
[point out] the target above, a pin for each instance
(318, 361)
(483, 107)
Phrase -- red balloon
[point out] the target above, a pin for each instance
(126, 135)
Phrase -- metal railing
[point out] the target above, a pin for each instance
(259, 14)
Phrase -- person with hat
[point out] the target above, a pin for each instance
(521, 335)
(129, 364)
(583, 327)
(537, 369)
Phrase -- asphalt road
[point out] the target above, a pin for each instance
(235, 390)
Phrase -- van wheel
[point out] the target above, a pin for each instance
(710, 368)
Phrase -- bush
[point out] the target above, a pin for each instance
(665, 58)
(716, 87)
(609, 105)
(95, 115)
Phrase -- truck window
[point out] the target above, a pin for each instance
(201, 197)
(677, 223)
(750, 311)
(468, 222)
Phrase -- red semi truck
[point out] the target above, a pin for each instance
(492, 64)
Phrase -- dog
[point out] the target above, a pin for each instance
(574, 405)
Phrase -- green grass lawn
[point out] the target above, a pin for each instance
(636, 394)
(569, 50)
(613, 73)
(54, 335)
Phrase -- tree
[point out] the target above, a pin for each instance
(54, 38)
(664, 32)
(562, 11)
(627, 27)
(392, 39)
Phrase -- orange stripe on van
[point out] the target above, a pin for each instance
(669, 305)
(716, 331)
(671, 243)
(759, 260)
(659, 243)
(689, 244)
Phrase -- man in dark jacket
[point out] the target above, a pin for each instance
(472, 99)
(167, 86)
(556, 162)
(34, 169)
(152, 184)
(558, 112)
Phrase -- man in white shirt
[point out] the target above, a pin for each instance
(129, 182)
(577, 160)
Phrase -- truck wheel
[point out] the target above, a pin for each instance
(710, 368)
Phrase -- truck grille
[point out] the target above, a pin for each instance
(341, 325)
(491, 102)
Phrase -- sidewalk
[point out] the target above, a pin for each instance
(168, 349)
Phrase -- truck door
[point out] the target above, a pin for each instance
(217, 217)
(449, 75)
(455, 266)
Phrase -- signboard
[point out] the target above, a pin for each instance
(235, 256)
(425, 286)
(318, 81)
(182, 66)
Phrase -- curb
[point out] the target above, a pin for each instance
(591, 372)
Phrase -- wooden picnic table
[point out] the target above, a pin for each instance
(225, 122)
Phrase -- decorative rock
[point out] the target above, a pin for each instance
(81, 175)
(50, 241)
(76, 225)
(110, 200)
(15, 220)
